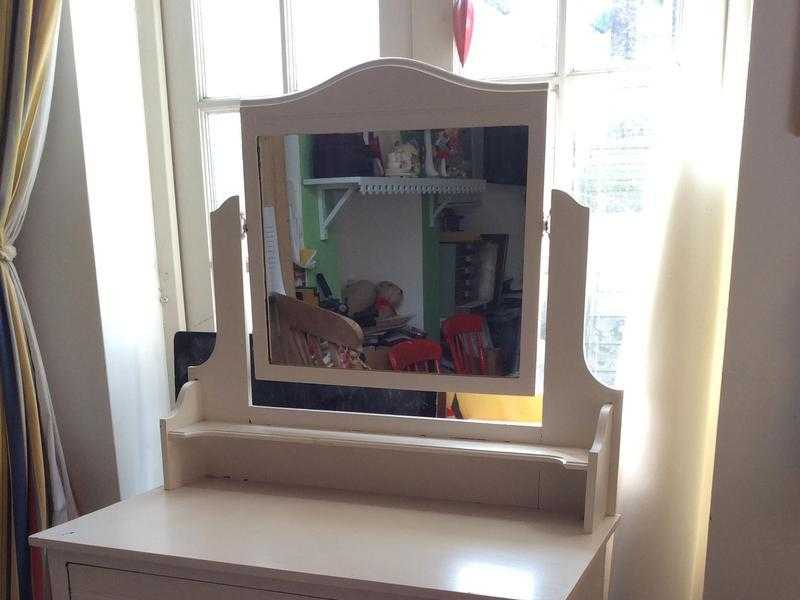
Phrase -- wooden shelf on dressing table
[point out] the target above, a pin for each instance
(570, 458)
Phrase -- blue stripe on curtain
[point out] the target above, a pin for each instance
(16, 450)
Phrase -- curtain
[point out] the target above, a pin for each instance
(673, 364)
(34, 487)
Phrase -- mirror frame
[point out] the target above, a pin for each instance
(399, 94)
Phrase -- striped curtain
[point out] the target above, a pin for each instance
(34, 488)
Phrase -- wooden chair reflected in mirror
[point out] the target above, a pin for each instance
(312, 336)
(421, 356)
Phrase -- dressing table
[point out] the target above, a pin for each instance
(286, 503)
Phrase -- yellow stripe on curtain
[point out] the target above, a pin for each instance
(28, 392)
(41, 33)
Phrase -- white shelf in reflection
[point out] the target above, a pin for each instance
(390, 185)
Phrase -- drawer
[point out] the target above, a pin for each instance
(98, 583)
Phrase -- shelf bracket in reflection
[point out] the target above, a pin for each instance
(326, 217)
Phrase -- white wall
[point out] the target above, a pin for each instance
(57, 268)
(754, 536)
(387, 247)
(87, 261)
(121, 210)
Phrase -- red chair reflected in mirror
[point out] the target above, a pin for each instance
(464, 336)
(420, 356)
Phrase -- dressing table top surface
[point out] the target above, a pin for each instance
(424, 548)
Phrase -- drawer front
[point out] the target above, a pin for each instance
(98, 583)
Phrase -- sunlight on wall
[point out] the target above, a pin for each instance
(121, 212)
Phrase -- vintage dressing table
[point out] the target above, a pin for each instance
(280, 503)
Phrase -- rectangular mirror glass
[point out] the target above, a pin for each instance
(399, 251)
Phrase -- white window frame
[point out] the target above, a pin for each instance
(418, 29)
(189, 110)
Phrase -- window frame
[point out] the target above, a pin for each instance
(418, 30)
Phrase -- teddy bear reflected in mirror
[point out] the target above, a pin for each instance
(370, 303)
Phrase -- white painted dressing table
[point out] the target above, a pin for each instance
(276, 504)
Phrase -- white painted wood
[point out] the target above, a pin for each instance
(598, 476)
(181, 464)
(58, 577)
(162, 182)
(183, 72)
(156, 567)
(226, 374)
(99, 583)
(437, 476)
(573, 398)
(569, 458)
(594, 582)
(392, 94)
(194, 448)
(424, 549)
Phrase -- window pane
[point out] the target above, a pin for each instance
(605, 153)
(604, 34)
(330, 37)
(241, 48)
(225, 157)
(513, 38)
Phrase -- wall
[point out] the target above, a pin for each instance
(87, 261)
(754, 536)
(121, 211)
(57, 268)
(388, 246)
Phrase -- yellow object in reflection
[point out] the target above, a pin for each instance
(497, 407)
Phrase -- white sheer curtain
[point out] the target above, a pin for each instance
(673, 357)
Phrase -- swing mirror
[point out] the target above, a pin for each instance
(396, 250)
(387, 252)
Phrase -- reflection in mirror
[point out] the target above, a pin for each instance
(396, 250)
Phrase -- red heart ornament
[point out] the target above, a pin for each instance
(463, 20)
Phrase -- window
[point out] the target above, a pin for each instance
(602, 56)
(606, 58)
(216, 54)
(262, 48)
